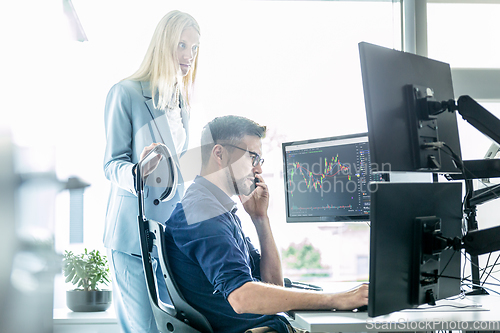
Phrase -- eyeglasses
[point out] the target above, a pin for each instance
(256, 160)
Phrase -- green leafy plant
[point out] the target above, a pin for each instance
(302, 256)
(86, 270)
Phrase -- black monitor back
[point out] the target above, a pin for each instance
(386, 74)
(394, 208)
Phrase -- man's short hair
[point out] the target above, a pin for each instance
(227, 129)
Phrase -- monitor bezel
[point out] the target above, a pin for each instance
(329, 218)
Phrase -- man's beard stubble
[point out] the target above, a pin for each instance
(239, 185)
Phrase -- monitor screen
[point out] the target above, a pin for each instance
(327, 180)
(403, 272)
(394, 84)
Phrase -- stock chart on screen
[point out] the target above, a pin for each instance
(329, 179)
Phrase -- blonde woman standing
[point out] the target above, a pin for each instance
(146, 109)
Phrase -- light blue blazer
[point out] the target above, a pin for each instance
(132, 123)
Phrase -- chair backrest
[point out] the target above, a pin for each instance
(179, 317)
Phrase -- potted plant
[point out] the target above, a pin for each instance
(86, 272)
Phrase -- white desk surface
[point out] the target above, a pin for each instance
(407, 320)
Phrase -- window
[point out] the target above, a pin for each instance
(460, 33)
(291, 65)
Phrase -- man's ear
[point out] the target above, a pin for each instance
(218, 154)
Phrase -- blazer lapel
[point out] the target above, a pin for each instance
(185, 122)
(146, 92)
(161, 127)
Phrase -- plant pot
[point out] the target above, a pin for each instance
(88, 301)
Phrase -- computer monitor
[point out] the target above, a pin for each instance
(327, 179)
(401, 134)
(406, 219)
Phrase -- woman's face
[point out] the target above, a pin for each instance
(187, 49)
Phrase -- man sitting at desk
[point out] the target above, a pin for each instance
(216, 267)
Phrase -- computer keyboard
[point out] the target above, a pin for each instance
(363, 308)
(301, 285)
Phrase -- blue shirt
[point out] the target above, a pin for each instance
(210, 257)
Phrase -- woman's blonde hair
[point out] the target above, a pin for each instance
(160, 65)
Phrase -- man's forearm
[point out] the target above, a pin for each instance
(261, 298)
(270, 262)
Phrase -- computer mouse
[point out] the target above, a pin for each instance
(362, 308)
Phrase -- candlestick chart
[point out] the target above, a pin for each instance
(332, 168)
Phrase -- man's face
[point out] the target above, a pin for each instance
(241, 172)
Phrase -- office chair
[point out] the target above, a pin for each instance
(180, 316)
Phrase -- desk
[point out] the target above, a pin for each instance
(407, 320)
